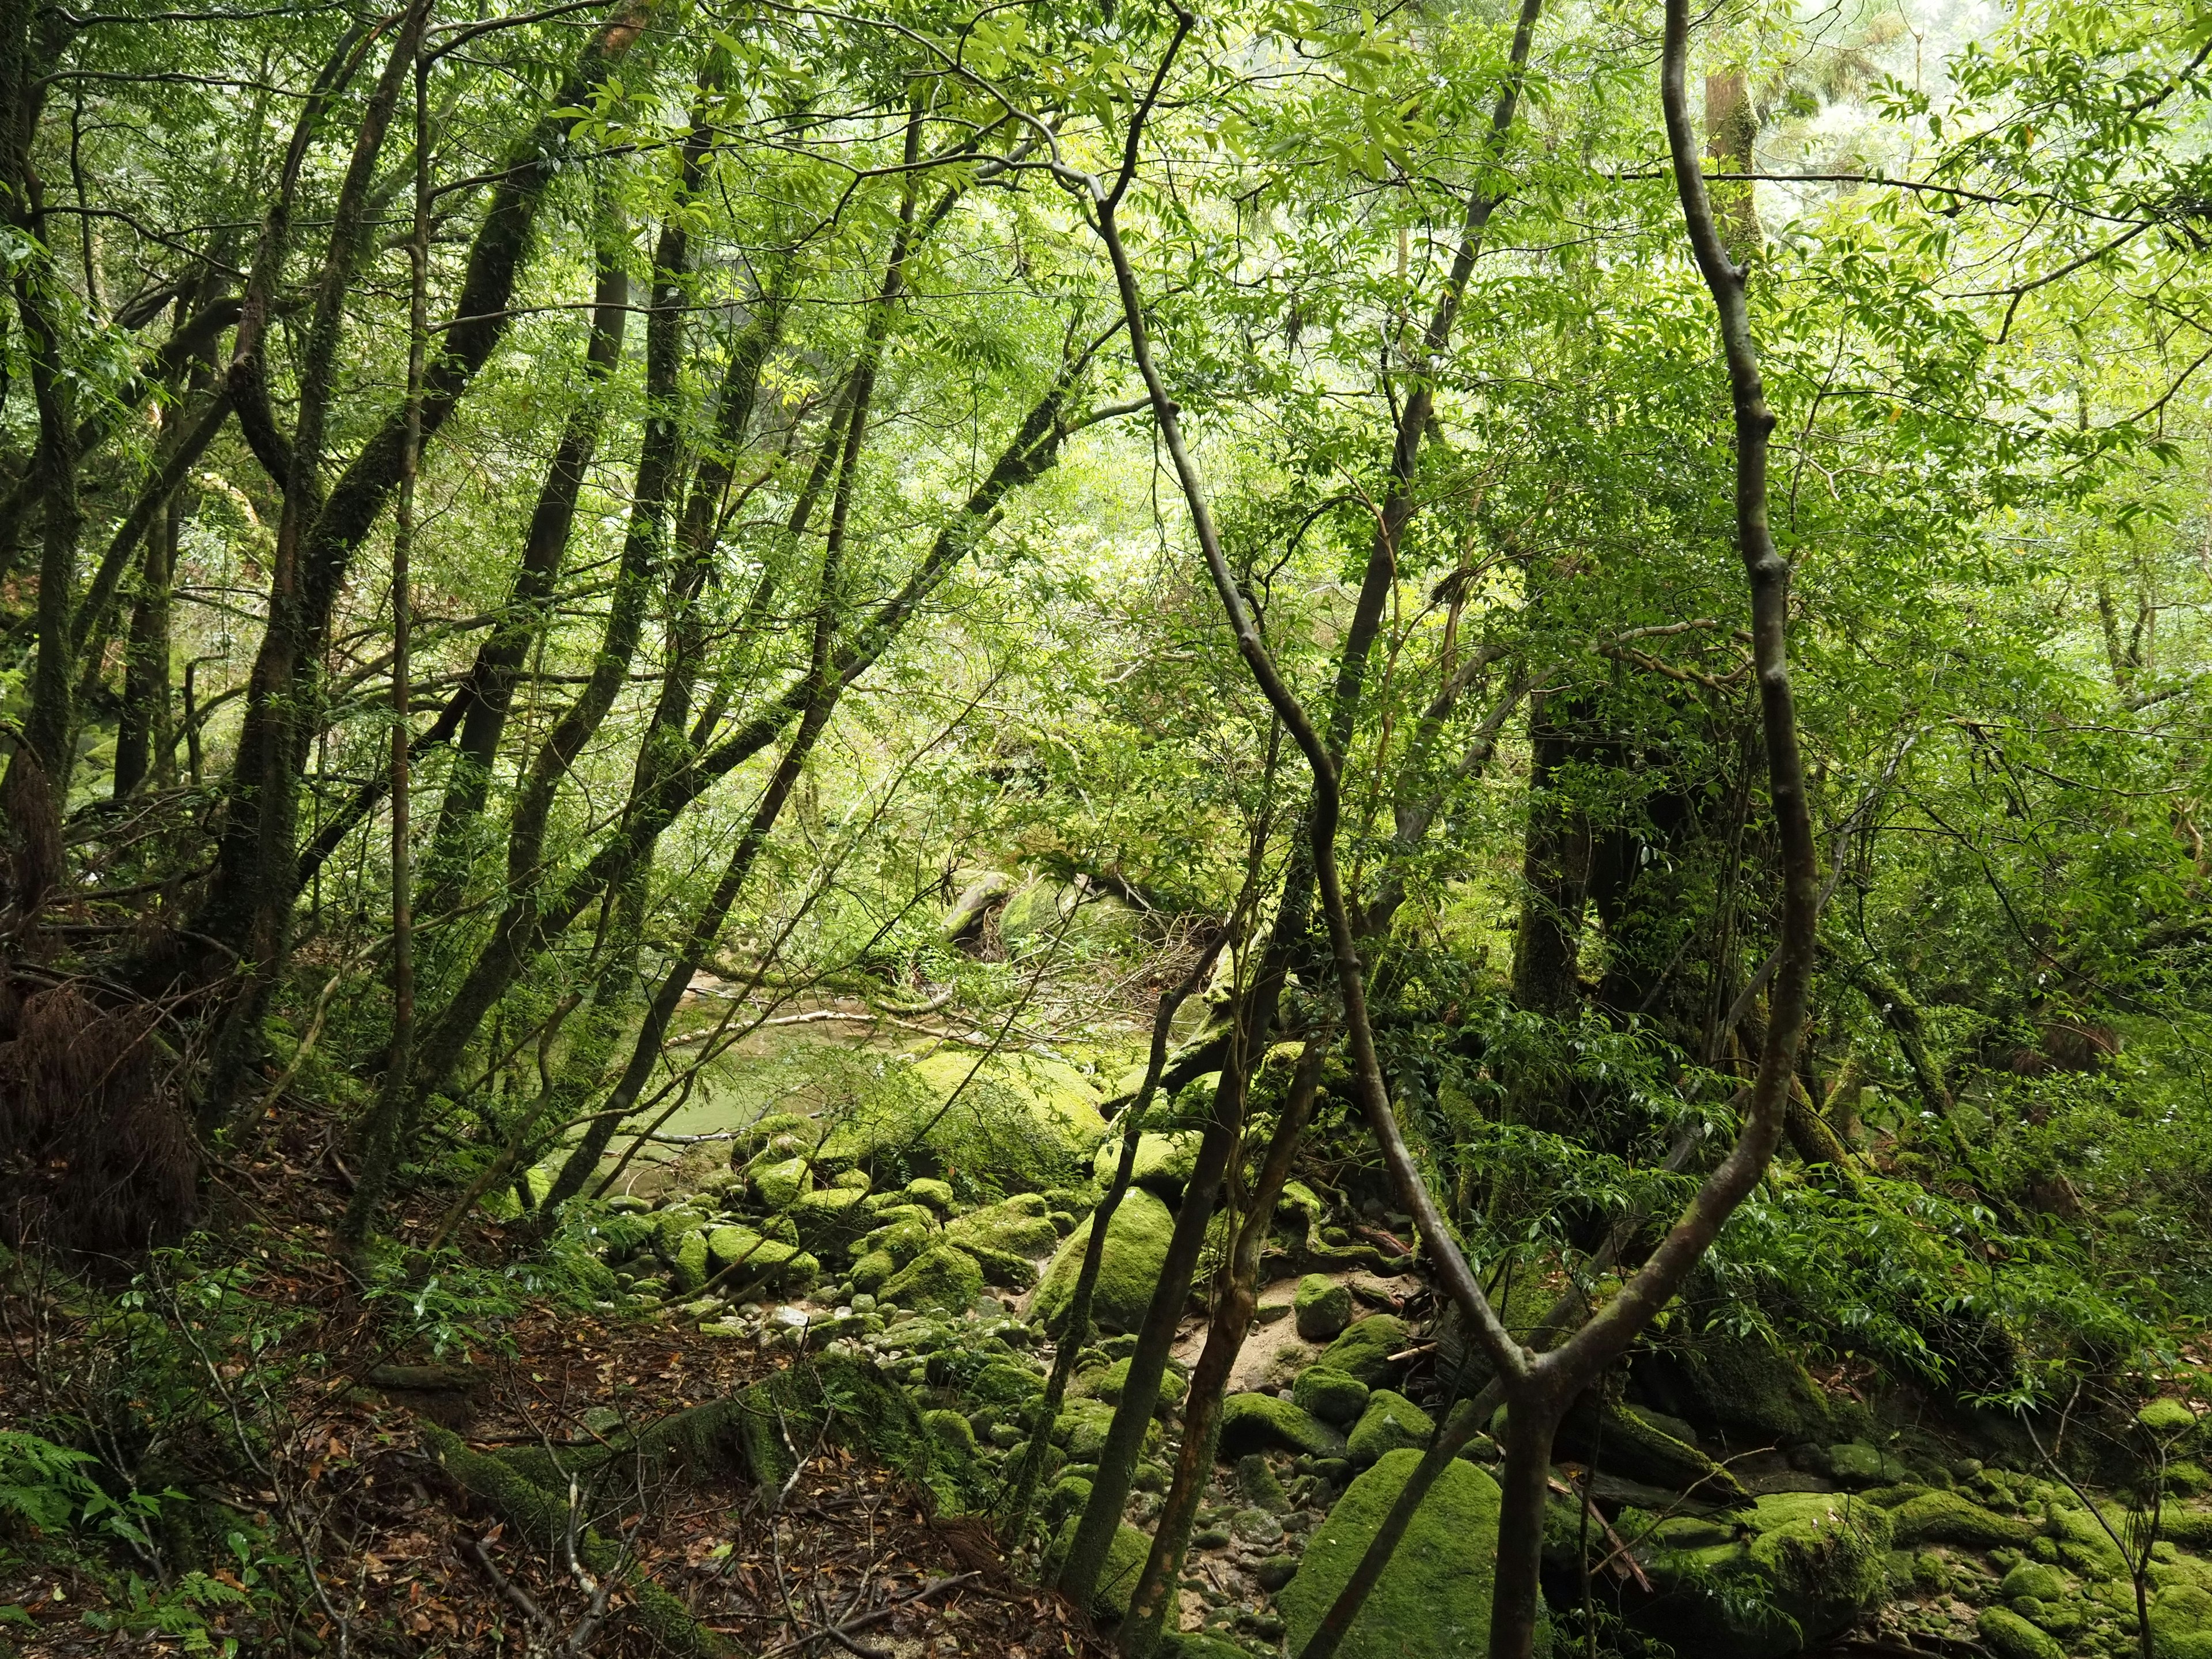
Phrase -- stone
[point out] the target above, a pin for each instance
(1943, 1517)
(1322, 1307)
(1262, 1488)
(1792, 1571)
(1432, 1601)
(1027, 1120)
(1390, 1423)
(942, 1277)
(1135, 1254)
(1080, 1428)
(954, 1430)
(1117, 1579)
(1256, 1526)
(871, 1270)
(1019, 1226)
(2011, 1637)
(2169, 1419)
(778, 1185)
(832, 1215)
(1275, 1571)
(745, 1255)
(1854, 1463)
(1259, 1422)
(1165, 1163)
(1108, 1384)
(1364, 1350)
(2044, 1583)
(690, 1262)
(1332, 1396)
(854, 1181)
(930, 1192)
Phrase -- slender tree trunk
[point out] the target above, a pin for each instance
(144, 746)
(1233, 1306)
(492, 679)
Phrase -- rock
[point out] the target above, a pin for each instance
(1275, 1571)
(870, 1271)
(1080, 1429)
(830, 1216)
(1070, 1495)
(1390, 1423)
(1433, 1600)
(1117, 1579)
(854, 1181)
(2035, 1579)
(1258, 1422)
(1364, 1350)
(1943, 1517)
(1028, 1120)
(629, 1204)
(2011, 1637)
(1626, 1443)
(745, 1255)
(930, 1192)
(1108, 1384)
(952, 1429)
(1787, 1574)
(941, 1277)
(778, 1185)
(1165, 1162)
(1854, 1463)
(1016, 1226)
(1741, 1387)
(690, 1262)
(1330, 1394)
(1136, 1252)
(1322, 1307)
(1256, 1526)
(2168, 1418)
(1257, 1480)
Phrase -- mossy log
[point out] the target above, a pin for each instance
(542, 1518)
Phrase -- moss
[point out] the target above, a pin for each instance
(1117, 1579)
(1027, 1120)
(942, 1277)
(780, 1185)
(1108, 1384)
(1390, 1423)
(1019, 1225)
(2011, 1637)
(1433, 1600)
(1258, 1422)
(870, 1271)
(931, 1193)
(1943, 1517)
(1622, 1442)
(1080, 1430)
(1742, 1384)
(1330, 1394)
(1135, 1254)
(753, 1257)
(542, 1517)
(2044, 1583)
(1165, 1162)
(1002, 1267)
(1364, 1350)
(1321, 1307)
(830, 1217)
(1261, 1487)
(2170, 1419)
(690, 1261)
(1791, 1571)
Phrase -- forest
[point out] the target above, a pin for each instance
(975, 827)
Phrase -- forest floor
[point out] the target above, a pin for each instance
(848, 1558)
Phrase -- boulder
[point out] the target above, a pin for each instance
(1108, 1384)
(2011, 1637)
(1626, 1443)
(1165, 1162)
(1261, 1422)
(1029, 1121)
(1792, 1571)
(931, 1193)
(1364, 1350)
(1136, 1252)
(1322, 1307)
(1117, 1579)
(778, 1185)
(1330, 1394)
(1019, 1225)
(746, 1254)
(941, 1277)
(1433, 1600)
(1390, 1423)
(832, 1215)
(1944, 1518)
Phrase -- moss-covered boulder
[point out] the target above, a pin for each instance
(1944, 1518)
(1080, 1429)
(1330, 1394)
(1364, 1350)
(1793, 1570)
(1321, 1307)
(1622, 1442)
(1026, 1120)
(1117, 1579)
(1020, 1225)
(871, 1270)
(1747, 1393)
(931, 1193)
(2011, 1637)
(689, 1261)
(1433, 1600)
(1165, 1163)
(780, 1185)
(745, 1255)
(1136, 1252)
(1107, 1384)
(831, 1218)
(1390, 1423)
(1261, 1422)
(942, 1277)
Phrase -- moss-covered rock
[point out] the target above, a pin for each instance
(1080, 1429)
(2011, 1637)
(1747, 1391)
(1117, 1579)
(778, 1185)
(1261, 1422)
(1433, 1600)
(831, 1218)
(2036, 1578)
(942, 1277)
(1364, 1350)
(1020, 1225)
(745, 1255)
(870, 1271)
(1165, 1163)
(690, 1261)
(1390, 1423)
(1108, 1382)
(1627, 1442)
(1332, 1396)
(1790, 1572)
(1944, 1518)
(1322, 1308)
(1026, 1120)
(931, 1193)
(1136, 1252)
